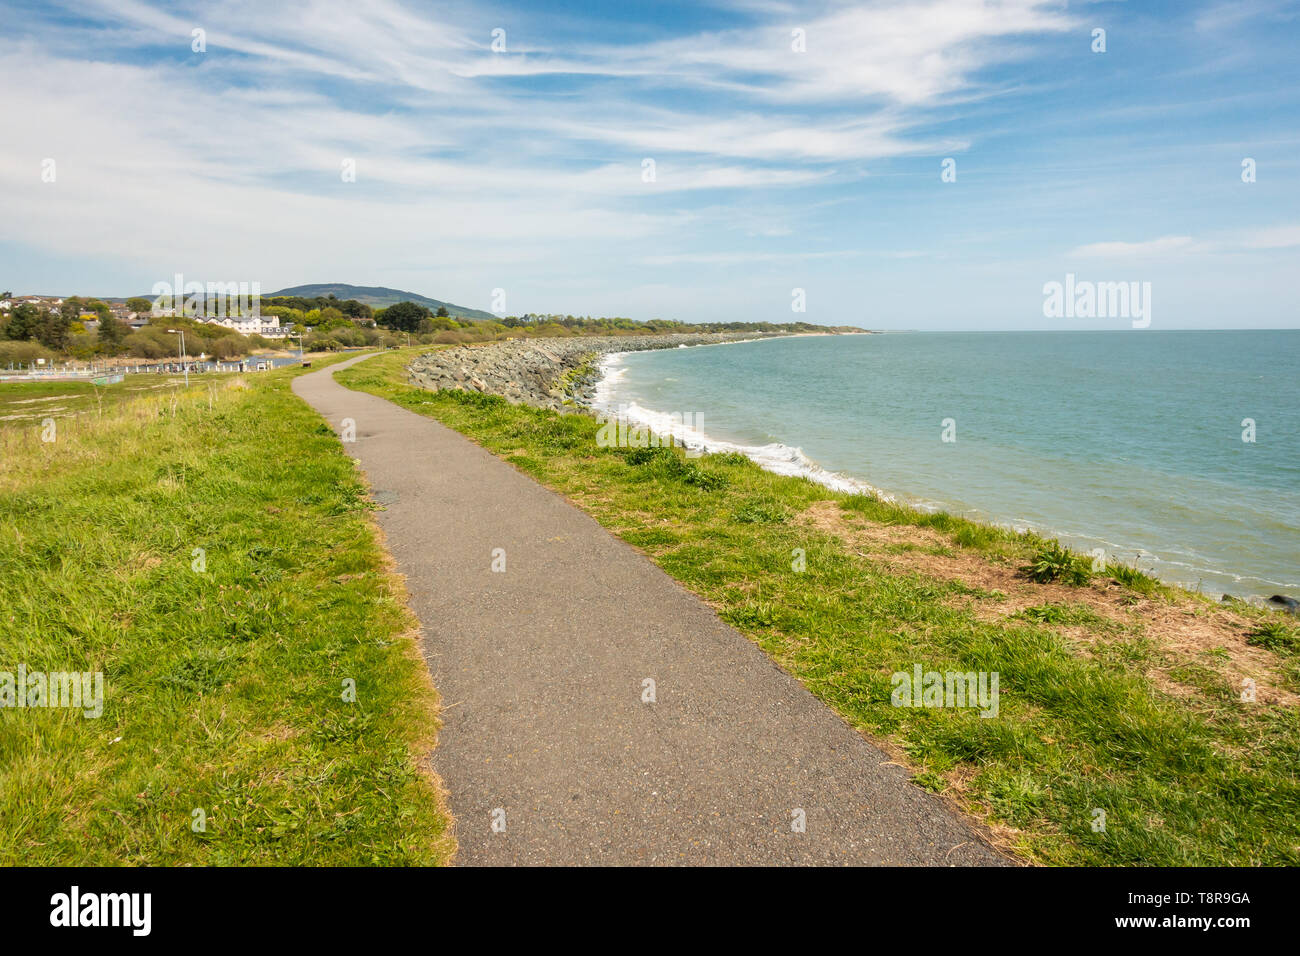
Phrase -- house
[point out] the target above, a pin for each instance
(267, 326)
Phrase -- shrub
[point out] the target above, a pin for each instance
(24, 352)
(1131, 577)
(1055, 562)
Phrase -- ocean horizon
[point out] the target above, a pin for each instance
(1167, 449)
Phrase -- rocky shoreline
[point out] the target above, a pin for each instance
(545, 373)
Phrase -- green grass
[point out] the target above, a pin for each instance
(223, 678)
(1198, 779)
(23, 403)
(1076, 615)
(1278, 635)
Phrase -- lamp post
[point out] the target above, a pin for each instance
(299, 334)
(185, 368)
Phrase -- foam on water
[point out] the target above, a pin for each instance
(1128, 442)
(775, 457)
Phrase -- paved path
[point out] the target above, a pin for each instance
(541, 672)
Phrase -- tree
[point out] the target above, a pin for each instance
(53, 327)
(23, 323)
(111, 333)
(442, 312)
(404, 316)
(137, 304)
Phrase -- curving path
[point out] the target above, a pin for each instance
(541, 672)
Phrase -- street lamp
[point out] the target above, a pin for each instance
(185, 368)
(299, 334)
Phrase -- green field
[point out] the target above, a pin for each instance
(27, 402)
(210, 550)
(1122, 736)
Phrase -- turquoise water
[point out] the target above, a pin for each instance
(1130, 441)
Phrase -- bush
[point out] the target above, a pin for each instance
(151, 343)
(452, 338)
(1131, 577)
(22, 352)
(1055, 562)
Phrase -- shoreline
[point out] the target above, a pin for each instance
(576, 374)
(556, 373)
(841, 591)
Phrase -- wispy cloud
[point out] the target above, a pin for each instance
(1274, 237)
(1167, 245)
(784, 136)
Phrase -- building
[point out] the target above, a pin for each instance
(267, 326)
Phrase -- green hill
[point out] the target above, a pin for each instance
(380, 297)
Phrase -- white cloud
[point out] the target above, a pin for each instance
(1168, 245)
(1274, 237)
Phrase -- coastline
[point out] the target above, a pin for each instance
(1165, 559)
(554, 373)
(842, 590)
(573, 374)
(778, 458)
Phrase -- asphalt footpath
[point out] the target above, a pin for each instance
(594, 711)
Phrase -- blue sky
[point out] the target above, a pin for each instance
(775, 169)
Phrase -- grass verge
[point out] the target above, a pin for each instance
(1123, 736)
(210, 551)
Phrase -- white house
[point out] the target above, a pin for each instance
(267, 326)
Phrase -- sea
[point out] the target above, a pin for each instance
(1177, 451)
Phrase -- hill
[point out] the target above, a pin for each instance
(379, 297)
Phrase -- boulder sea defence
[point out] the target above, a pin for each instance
(544, 373)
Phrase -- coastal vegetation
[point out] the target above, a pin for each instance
(86, 329)
(210, 551)
(1138, 724)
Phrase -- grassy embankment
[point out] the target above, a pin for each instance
(223, 667)
(1117, 694)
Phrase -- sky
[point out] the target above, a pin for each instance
(701, 161)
